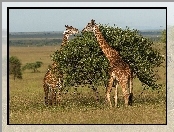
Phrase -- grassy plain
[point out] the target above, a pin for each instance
(27, 98)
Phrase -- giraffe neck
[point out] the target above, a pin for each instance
(107, 50)
(65, 39)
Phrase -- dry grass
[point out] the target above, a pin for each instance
(27, 99)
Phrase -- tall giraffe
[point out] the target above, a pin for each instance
(119, 71)
(53, 79)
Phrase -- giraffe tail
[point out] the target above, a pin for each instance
(130, 89)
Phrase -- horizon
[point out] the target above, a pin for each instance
(4, 31)
(80, 30)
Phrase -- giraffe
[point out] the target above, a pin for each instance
(69, 31)
(119, 70)
(52, 85)
(53, 79)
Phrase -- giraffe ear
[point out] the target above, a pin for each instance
(64, 32)
(66, 25)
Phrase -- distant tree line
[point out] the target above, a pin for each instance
(35, 34)
(55, 38)
(35, 38)
(32, 42)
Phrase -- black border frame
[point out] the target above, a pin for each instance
(8, 96)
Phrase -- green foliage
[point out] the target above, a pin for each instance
(83, 61)
(136, 50)
(15, 67)
(163, 36)
(33, 66)
(35, 38)
(34, 42)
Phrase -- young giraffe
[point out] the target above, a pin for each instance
(119, 69)
(52, 85)
(53, 79)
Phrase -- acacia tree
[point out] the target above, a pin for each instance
(83, 61)
(33, 66)
(15, 67)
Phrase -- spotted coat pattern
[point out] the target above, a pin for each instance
(119, 71)
(53, 79)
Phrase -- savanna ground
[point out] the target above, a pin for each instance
(26, 104)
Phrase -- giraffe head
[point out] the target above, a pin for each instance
(90, 26)
(70, 30)
(53, 67)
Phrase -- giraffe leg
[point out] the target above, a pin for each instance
(50, 97)
(58, 97)
(46, 98)
(125, 93)
(131, 89)
(46, 94)
(54, 97)
(116, 94)
(108, 90)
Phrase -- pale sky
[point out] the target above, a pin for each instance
(33, 20)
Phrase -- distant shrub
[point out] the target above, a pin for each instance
(33, 66)
(15, 67)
